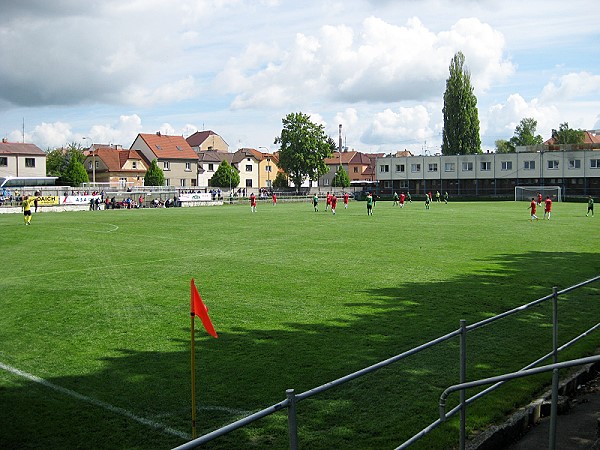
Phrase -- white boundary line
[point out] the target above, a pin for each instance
(95, 402)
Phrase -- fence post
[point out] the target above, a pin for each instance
(292, 424)
(554, 405)
(463, 379)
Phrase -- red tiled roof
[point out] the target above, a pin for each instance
(13, 148)
(588, 138)
(247, 153)
(169, 147)
(335, 158)
(115, 159)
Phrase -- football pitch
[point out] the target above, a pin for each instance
(95, 324)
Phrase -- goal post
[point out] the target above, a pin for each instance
(529, 192)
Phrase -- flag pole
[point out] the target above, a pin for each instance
(193, 368)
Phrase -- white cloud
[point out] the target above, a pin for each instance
(399, 127)
(572, 86)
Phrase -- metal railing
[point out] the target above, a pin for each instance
(292, 398)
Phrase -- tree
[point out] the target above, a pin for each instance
(303, 148)
(281, 181)
(75, 174)
(225, 176)
(566, 135)
(460, 135)
(525, 134)
(341, 178)
(503, 146)
(154, 175)
(58, 160)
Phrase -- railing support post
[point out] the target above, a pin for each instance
(463, 379)
(554, 404)
(292, 423)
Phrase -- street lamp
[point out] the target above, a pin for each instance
(93, 160)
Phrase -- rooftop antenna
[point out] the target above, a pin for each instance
(23, 130)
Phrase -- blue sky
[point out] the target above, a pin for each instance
(107, 70)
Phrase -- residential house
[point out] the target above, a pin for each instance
(358, 165)
(208, 163)
(174, 155)
(207, 140)
(22, 160)
(247, 162)
(267, 170)
(111, 164)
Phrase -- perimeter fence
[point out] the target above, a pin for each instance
(293, 399)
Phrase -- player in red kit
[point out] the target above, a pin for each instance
(547, 208)
(402, 197)
(346, 197)
(533, 207)
(333, 203)
(253, 202)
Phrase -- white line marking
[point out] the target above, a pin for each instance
(95, 402)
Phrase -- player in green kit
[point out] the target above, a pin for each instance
(369, 204)
(590, 206)
(316, 202)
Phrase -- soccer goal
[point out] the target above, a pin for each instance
(529, 192)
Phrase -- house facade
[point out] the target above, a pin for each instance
(208, 163)
(357, 165)
(174, 156)
(21, 160)
(576, 171)
(247, 162)
(113, 165)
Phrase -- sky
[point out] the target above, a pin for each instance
(102, 71)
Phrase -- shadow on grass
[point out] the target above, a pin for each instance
(249, 369)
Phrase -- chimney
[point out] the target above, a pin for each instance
(158, 133)
(340, 145)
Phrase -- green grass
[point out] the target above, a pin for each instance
(98, 303)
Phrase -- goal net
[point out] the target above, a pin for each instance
(529, 192)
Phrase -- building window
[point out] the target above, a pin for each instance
(486, 166)
(269, 169)
(387, 184)
(166, 166)
(90, 166)
(211, 167)
(467, 167)
(529, 165)
(248, 167)
(415, 168)
(248, 182)
(432, 167)
(574, 164)
(449, 167)
(3, 161)
(384, 168)
(29, 162)
(167, 182)
(553, 164)
(326, 182)
(182, 182)
(188, 166)
(134, 165)
(506, 165)
(594, 163)
(399, 167)
(355, 169)
(194, 182)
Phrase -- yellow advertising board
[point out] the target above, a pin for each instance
(48, 200)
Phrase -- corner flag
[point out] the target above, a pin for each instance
(199, 309)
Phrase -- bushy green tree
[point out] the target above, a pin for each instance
(525, 134)
(303, 148)
(460, 135)
(58, 160)
(281, 181)
(154, 175)
(503, 146)
(566, 135)
(341, 178)
(226, 175)
(75, 174)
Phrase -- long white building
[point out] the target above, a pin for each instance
(574, 168)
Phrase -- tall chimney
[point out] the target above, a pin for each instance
(340, 145)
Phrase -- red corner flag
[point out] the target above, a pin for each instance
(199, 309)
